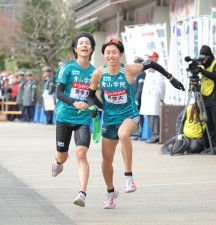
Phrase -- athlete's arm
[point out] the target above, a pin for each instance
(154, 65)
(151, 64)
(135, 68)
(61, 96)
(98, 103)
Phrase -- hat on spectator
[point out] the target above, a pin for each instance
(28, 73)
(46, 69)
(153, 55)
(20, 73)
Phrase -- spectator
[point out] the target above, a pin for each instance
(19, 97)
(190, 130)
(14, 87)
(138, 87)
(152, 95)
(193, 128)
(208, 89)
(48, 90)
(6, 89)
(138, 83)
(29, 98)
(14, 91)
(1, 83)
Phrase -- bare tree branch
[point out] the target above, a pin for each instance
(45, 32)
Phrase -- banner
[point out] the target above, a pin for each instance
(213, 31)
(128, 42)
(141, 40)
(187, 37)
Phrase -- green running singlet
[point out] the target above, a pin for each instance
(77, 82)
(118, 97)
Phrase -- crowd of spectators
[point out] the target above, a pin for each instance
(23, 89)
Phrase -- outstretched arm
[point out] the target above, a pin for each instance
(135, 68)
(151, 64)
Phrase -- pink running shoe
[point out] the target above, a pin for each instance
(129, 185)
(109, 200)
(56, 169)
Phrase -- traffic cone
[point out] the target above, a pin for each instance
(146, 131)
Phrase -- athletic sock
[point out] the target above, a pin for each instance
(110, 190)
(83, 193)
(128, 174)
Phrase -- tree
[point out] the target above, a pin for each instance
(45, 31)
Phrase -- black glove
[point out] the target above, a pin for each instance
(93, 113)
(177, 84)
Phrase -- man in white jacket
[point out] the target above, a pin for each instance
(152, 95)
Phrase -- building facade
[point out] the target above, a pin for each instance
(111, 16)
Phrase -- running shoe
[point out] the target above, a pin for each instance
(56, 169)
(80, 200)
(129, 184)
(109, 200)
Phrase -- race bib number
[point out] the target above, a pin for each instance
(79, 91)
(116, 97)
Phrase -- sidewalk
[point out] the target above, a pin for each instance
(20, 205)
(172, 190)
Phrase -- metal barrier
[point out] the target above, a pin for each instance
(5, 108)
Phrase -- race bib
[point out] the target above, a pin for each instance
(79, 91)
(116, 97)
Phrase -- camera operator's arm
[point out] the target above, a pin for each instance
(151, 64)
(210, 75)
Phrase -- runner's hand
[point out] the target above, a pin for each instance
(177, 84)
(93, 113)
(80, 105)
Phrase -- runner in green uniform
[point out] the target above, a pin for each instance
(73, 81)
(121, 116)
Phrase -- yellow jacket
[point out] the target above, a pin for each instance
(193, 129)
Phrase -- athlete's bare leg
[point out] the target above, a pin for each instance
(108, 151)
(81, 152)
(61, 157)
(125, 130)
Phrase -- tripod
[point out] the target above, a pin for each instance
(194, 88)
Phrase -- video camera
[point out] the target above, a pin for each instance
(193, 67)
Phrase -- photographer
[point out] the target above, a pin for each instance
(190, 129)
(193, 129)
(207, 68)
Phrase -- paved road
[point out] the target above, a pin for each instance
(172, 190)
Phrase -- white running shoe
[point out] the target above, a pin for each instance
(109, 200)
(80, 200)
(56, 169)
(130, 185)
